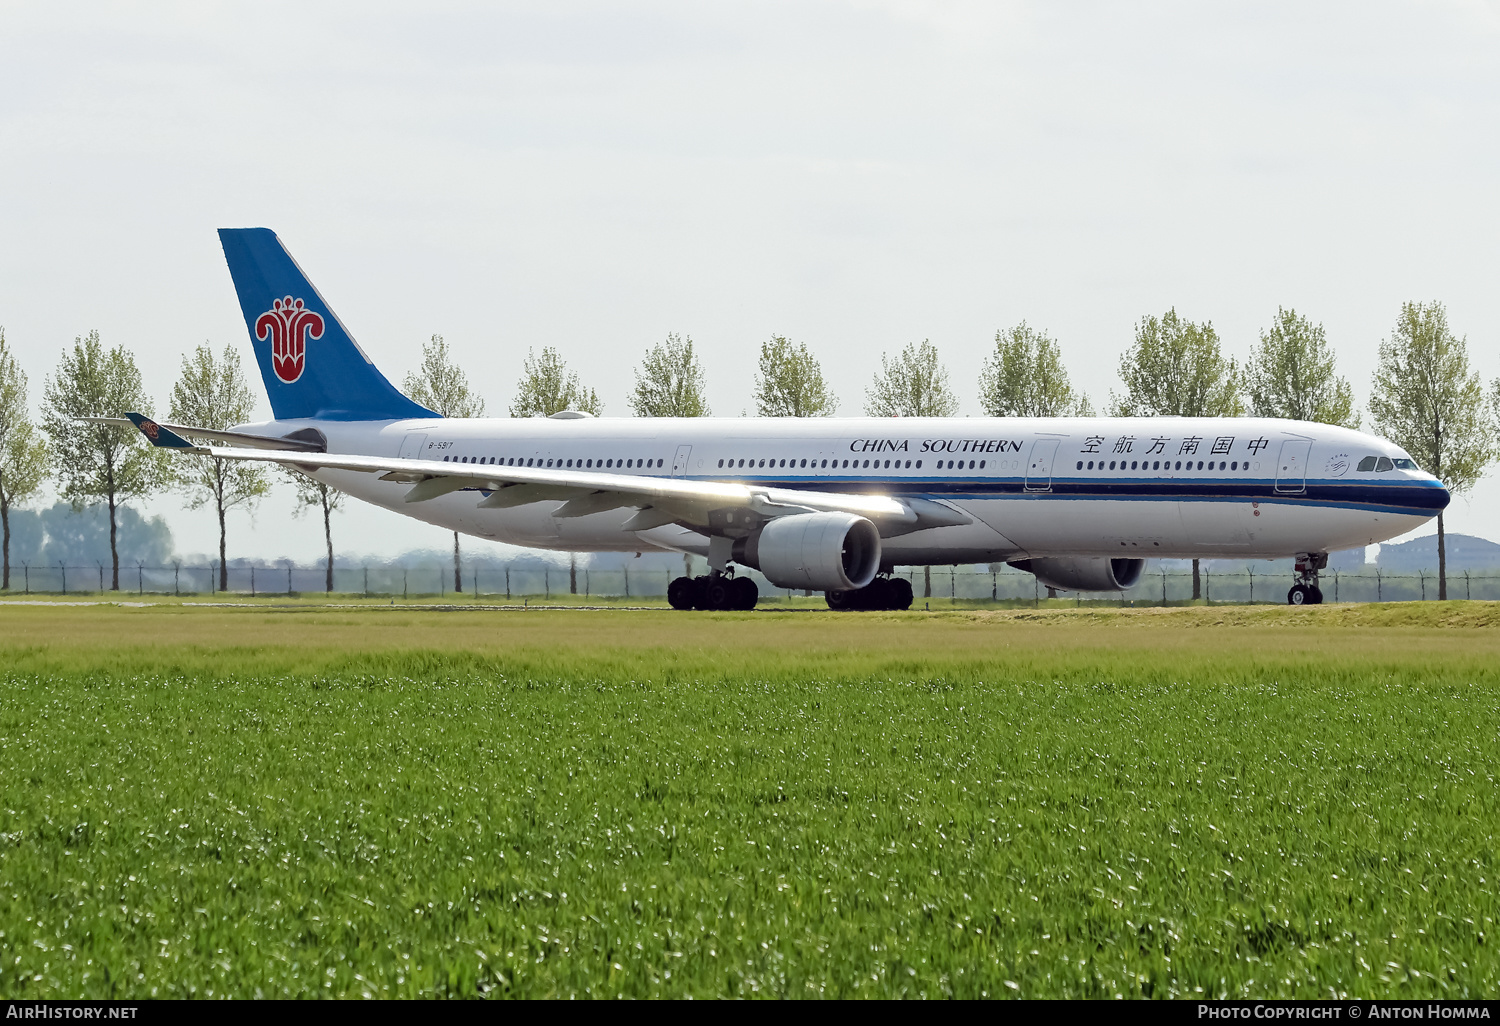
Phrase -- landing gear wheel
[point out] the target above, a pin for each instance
(1315, 595)
(680, 593)
(718, 593)
(876, 594)
(1300, 595)
(746, 594)
(900, 594)
(881, 593)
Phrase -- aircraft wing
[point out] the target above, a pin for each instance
(660, 500)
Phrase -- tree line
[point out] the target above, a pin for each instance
(1424, 397)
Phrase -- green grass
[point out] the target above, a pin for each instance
(1227, 801)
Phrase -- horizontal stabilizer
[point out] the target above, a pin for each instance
(159, 435)
(214, 435)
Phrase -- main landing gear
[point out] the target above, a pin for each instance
(1306, 591)
(881, 593)
(715, 591)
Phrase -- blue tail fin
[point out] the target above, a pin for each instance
(312, 367)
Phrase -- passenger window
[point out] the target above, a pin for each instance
(1200, 464)
(1132, 464)
(1111, 464)
(1381, 465)
(1235, 465)
(919, 464)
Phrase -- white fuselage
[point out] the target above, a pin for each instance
(1137, 487)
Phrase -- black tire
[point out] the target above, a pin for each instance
(680, 593)
(699, 602)
(839, 600)
(876, 595)
(1315, 595)
(900, 594)
(718, 593)
(746, 594)
(1298, 596)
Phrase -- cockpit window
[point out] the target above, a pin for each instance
(1367, 464)
(1382, 464)
(1406, 464)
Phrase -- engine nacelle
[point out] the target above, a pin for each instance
(814, 551)
(1084, 573)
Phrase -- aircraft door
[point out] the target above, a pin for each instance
(680, 461)
(1039, 470)
(1291, 468)
(412, 446)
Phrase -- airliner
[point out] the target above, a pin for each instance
(828, 504)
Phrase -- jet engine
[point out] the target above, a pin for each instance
(814, 551)
(1083, 573)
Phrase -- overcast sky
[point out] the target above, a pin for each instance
(857, 175)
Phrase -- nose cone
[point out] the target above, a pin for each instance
(1441, 496)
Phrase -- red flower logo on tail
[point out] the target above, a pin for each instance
(288, 324)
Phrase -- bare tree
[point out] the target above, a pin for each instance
(914, 384)
(213, 393)
(669, 382)
(443, 387)
(100, 461)
(23, 454)
(1428, 401)
(789, 382)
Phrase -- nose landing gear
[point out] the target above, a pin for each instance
(1306, 591)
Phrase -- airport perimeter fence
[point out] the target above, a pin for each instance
(947, 585)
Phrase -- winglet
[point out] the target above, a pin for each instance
(161, 437)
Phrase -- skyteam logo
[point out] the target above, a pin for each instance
(288, 324)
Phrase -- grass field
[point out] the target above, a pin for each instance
(346, 802)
